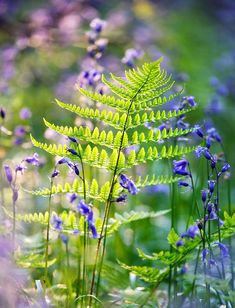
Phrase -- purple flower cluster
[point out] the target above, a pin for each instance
(86, 211)
(128, 184)
(32, 160)
(131, 55)
(97, 45)
(57, 224)
(191, 233)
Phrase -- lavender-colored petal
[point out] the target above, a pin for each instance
(8, 173)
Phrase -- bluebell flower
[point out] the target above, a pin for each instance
(190, 100)
(8, 173)
(204, 195)
(97, 25)
(25, 113)
(72, 151)
(205, 252)
(192, 232)
(20, 131)
(198, 131)
(20, 168)
(121, 198)
(72, 197)
(72, 139)
(184, 269)
(83, 208)
(128, 184)
(64, 238)
(225, 168)
(93, 230)
(211, 186)
(57, 223)
(131, 55)
(63, 160)
(184, 184)
(2, 113)
(76, 170)
(179, 243)
(32, 160)
(223, 249)
(55, 173)
(180, 167)
(213, 134)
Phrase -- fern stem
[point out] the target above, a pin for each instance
(48, 232)
(107, 207)
(84, 278)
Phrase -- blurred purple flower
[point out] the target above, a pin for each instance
(57, 223)
(180, 167)
(25, 113)
(128, 184)
(32, 160)
(8, 173)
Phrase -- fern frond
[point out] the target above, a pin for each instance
(97, 137)
(137, 120)
(137, 139)
(119, 104)
(153, 153)
(114, 119)
(148, 274)
(93, 190)
(155, 180)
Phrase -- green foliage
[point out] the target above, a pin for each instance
(177, 256)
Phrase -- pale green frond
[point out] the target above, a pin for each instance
(96, 137)
(123, 93)
(155, 180)
(157, 136)
(109, 117)
(119, 104)
(93, 190)
(154, 153)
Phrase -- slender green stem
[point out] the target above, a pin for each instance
(67, 276)
(84, 278)
(48, 234)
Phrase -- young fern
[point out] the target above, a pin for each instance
(133, 105)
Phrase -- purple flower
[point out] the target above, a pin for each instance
(180, 167)
(2, 113)
(83, 208)
(93, 230)
(191, 101)
(192, 232)
(55, 173)
(57, 223)
(8, 173)
(72, 139)
(73, 197)
(131, 55)
(64, 238)
(32, 160)
(63, 160)
(199, 131)
(19, 131)
(72, 151)
(184, 184)
(121, 198)
(179, 243)
(223, 250)
(213, 134)
(205, 252)
(128, 184)
(20, 168)
(225, 168)
(211, 186)
(25, 113)
(97, 25)
(204, 195)
(184, 269)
